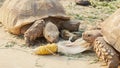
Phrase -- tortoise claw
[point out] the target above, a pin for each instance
(28, 42)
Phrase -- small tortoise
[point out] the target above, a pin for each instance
(107, 40)
(35, 18)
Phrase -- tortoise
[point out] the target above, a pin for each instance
(106, 42)
(30, 18)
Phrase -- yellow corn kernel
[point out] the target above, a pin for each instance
(46, 49)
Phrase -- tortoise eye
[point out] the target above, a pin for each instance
(48, 36)
(89, 35)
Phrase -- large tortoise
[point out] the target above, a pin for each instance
(107, 46)
(36, 18)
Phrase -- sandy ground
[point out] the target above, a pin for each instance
(14, 54)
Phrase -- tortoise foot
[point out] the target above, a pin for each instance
(67, 35)
(106, 53)
(35, 31)
(28, 42)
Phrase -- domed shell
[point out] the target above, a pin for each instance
(15, 14)
(111, 30)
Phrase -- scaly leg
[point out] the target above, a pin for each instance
(35, 31)
(105, 52)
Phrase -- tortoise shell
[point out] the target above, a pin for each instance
(15, 14)
(111, 30)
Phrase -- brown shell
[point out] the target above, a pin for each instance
(111, 30)
(14, 14)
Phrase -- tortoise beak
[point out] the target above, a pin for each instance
(53, 40)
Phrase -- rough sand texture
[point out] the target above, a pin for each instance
(14, 54)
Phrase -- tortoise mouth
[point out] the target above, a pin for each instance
(89, 41)
(53, 40)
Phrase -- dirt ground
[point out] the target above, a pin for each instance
(14, 53)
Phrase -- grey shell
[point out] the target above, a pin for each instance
(111, 30)
(15, 14)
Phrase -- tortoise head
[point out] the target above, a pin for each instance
(91, 35)
(51, 32)
(52, 36)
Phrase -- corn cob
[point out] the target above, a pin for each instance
(46, 49)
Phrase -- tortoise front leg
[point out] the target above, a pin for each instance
(35, 31)
(105, 52)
